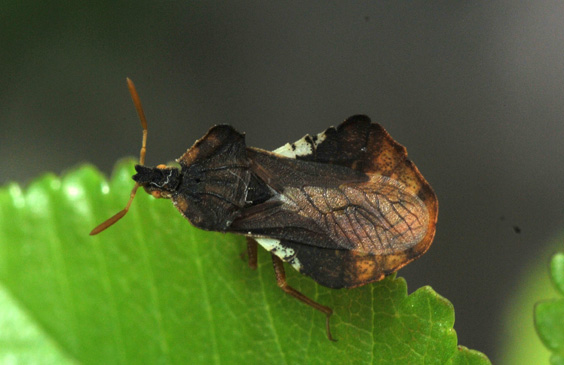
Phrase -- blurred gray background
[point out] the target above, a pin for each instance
(474, 90)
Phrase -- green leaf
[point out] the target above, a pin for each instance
(557, 271)
(21, 340)
(518, 340)
(153, 289)
(549, 314)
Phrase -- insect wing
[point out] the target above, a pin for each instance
(344, 230)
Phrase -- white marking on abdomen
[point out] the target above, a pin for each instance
(302, 147)
(286, 254)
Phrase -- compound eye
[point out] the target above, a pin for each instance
(157, 194)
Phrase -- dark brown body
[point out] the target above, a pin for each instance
(346, 208)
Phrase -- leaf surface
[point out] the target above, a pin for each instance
(549, 314)
(153, 289)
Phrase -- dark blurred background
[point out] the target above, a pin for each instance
(474, 90)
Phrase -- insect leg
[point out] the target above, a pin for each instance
(252, 252)
(281, 281)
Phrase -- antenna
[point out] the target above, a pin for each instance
(137, 102)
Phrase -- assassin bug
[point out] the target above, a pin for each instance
(345, 207)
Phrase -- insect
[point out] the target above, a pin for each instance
(344, 207)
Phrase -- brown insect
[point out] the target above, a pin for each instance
(344, 207)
